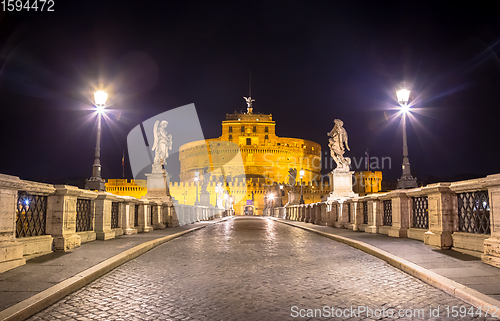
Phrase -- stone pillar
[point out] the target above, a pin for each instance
(342, 214)
(199, 214)
(181, 216)
(11, 251)
(143, 217)
(492, 244)
(205, 198)
(374, 215)
(322, 213)
(103, 217)
(127, 217)
(61, 216)
(350, 214)
(157, 217)
(307, 213)
(332, 213)
(317, 214)
(173, 220)
(401, 212)
(356, 214)
(442, 202)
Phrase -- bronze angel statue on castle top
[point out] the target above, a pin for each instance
(338, 137)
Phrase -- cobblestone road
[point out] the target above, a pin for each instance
(250, 269)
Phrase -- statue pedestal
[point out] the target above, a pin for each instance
(293, 198)
(157, 187)
(341, 185)
(205, 198)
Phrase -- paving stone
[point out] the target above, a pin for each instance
(250, 269)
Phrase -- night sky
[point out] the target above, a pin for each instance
(311, 62)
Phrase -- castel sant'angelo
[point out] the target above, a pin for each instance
(251, 162)
(265, 158)
(249, 158)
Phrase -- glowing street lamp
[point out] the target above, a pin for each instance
(301, 173)
(197, 179)
(406, 180)
(271, 198)
(95, 182)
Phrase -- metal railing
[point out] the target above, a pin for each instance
(387, 218)
(136, 215)
(474, 212)
(151, 214)
(365, 212)
(84, 219)
(420, 212)
(114, 215)
(349, 212)
(31, 214)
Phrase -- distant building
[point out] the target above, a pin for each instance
(266, 157)
(135, 188)
(367, 182)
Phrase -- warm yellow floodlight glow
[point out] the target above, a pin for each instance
(100, 98)
(302, 172)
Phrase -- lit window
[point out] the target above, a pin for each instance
(230, 129)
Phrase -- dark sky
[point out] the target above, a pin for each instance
(311, 62)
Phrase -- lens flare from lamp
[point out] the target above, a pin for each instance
(403, 96)
(405, 108)
(100, 98)
(302, 172)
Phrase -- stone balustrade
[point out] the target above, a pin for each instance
(36, 218)
(463, 216)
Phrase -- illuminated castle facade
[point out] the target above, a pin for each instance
(250, 154)
(250, 160)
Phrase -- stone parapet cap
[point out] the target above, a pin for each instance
(129, 199)
(415, 192)
(399, 193)
(373, 197)
(69, 190)
(492, 180)
(469, 185)
(437, 188)
(10, 182)
(142, 202)
(108, 196)
(38, 188)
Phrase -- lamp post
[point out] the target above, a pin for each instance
(95, 182)
(301, 189)
(197, 179)
(406, 181)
